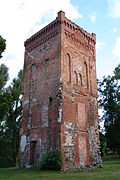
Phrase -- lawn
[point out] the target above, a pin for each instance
(110, 171)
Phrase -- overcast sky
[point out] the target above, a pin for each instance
(19, 19)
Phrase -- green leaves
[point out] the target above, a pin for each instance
(10, 118)
(3, 76)
(2, 45)
(10, 114)
(51, 160)
(109, 101)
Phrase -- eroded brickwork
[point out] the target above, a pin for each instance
(60, 96)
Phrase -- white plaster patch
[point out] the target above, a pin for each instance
(60, 79)
(68, 125)
(23, 143)
(60, 113)
(28, 125)
(34, 100)
(40, 141)
(72, 98)
(26, 102)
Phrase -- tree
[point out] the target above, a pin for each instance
(10, 123)
(10, 114)
(4, 94)
(109, 95)
(14, 117)
(2, 45)
(3, 76)
(3, 80)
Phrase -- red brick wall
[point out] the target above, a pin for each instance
(79, 96)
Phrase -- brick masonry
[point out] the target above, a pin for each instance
(60, 96)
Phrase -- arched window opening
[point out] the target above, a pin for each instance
(68, 67)
(86, 74)
(76, 77)
(80, 79)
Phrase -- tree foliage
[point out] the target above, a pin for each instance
(51, 160)
(2, 45)
(109, 95)
(3, 76)
(10, 114)
(10, 118)
(4, 94)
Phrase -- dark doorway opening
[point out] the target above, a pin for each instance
(33, 152)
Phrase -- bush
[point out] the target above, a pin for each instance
(51, 160)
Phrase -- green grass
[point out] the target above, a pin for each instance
(110, 171)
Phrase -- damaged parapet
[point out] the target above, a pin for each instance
(60, 96)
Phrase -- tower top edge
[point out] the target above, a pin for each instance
(51, 26)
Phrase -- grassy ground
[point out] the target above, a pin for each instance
(110, 171)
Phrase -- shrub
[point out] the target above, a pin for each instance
(51, 160)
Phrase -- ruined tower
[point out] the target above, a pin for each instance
(60, 96)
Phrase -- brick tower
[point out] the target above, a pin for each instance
(60, 96)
